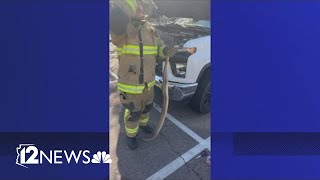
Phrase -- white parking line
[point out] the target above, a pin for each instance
(184, 158)
(182, 126)
(208, 144)
(177, 163)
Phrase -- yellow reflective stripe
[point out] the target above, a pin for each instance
(130, 89)
(132, 4)
(134, 89)
(126, 115)
(135, 50)
(151, 84)
(132, 130)
(130, 51)
(150, 47)
(138, 53)
(145, 120)
(137, 47)
(119, 51)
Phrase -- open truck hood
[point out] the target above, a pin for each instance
(177, 31)
(178, 21)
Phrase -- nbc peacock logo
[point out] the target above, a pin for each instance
(101, 157)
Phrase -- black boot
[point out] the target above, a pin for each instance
(132, 143)
(147, 129)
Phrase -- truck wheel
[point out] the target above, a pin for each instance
(201, 99)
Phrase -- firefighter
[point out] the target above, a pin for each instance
(138, 47)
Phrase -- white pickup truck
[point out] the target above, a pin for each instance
(189, 69)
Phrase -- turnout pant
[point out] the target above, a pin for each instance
(137, 110)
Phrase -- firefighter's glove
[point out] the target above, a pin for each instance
(169, 51)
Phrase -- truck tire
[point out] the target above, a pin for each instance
(201, 99)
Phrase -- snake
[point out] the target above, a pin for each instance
(165, 103)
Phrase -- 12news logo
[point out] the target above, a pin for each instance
(29, 154)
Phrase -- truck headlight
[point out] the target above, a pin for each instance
(191, 50)
(179, 61)
(179, 69)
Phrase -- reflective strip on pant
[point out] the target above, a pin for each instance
(134, 89)
(132, 132)
(144, 121)
(126, 115)
(135, 50)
